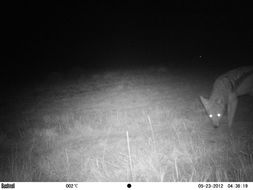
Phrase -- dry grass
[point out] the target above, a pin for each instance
(122, 127)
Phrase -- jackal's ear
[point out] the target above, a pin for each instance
(205, 102)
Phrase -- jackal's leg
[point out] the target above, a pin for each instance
(232, 104)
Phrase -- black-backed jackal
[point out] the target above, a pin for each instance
(226, 90)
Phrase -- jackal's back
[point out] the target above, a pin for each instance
(229, 82)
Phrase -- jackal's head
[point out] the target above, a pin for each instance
(214, 109)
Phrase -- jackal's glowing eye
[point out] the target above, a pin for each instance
(210, 115)
(218, 114)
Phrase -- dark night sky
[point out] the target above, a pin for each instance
(56, 36)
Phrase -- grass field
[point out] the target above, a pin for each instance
(144, 124)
